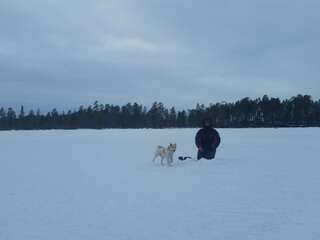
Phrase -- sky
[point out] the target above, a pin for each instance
(63, 54)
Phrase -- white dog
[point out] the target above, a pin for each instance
(165, 153)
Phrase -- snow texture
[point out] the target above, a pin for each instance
(102, 184)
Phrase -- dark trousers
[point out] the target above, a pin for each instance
(207, 154)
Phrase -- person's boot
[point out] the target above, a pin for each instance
(199, 156)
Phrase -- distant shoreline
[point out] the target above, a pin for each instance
(265, 112)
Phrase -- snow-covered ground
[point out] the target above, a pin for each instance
(102, 184)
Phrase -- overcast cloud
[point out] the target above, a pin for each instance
(57, 53)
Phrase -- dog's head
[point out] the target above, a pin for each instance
(172, 147)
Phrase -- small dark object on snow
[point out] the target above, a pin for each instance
(184, 158)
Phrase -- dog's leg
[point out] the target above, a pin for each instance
(154, 158)
(162, 160)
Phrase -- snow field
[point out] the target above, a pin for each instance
(102, 184)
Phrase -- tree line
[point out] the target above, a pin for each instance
(298, 111)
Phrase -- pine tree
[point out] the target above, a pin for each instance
(21, 115)
(2, 113)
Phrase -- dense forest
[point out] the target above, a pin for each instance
(298, 111)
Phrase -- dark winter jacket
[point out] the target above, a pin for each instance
(207, 138)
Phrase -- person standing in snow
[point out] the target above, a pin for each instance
(207, 140)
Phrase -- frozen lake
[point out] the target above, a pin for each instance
(102, 184)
